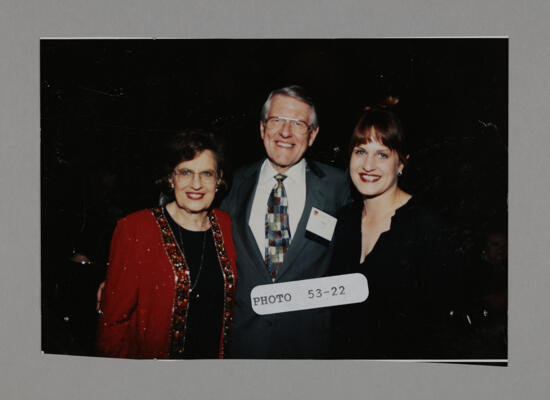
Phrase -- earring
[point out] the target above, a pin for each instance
(399, 173)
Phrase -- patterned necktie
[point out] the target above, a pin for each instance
(277, 231)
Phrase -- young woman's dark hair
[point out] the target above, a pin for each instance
(380, 123)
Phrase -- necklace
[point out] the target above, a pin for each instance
(193, 285)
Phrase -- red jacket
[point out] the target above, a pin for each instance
(145, 299)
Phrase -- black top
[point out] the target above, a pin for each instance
(411, 277)
(204, 320)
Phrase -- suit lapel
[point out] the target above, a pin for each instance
(248, 190)
(313, 196)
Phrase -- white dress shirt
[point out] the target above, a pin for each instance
(295, 187)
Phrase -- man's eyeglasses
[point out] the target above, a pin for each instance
(296, 126)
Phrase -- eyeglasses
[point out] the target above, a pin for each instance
(296, 126)
(185, 176)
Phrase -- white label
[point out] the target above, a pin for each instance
(309, 293)
(321, 223)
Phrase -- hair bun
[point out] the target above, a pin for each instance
(388, 102)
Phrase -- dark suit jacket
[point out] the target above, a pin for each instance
(298, 334)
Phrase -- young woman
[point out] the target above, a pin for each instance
(389, 236)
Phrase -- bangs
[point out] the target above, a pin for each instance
(380, 126)
(371, 134)
(389, 138)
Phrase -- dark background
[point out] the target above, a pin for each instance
(107, 105)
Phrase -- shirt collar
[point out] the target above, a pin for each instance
(296, 173)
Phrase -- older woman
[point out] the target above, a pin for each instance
(398, 244)
(171, 276)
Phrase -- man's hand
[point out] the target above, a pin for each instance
(99, 294)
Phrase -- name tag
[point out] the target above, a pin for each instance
(321, 224)
(309, 293)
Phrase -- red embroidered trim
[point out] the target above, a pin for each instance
(228, 280)
(182, 284)
(180, 308)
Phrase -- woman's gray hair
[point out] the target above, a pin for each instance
(298, 93)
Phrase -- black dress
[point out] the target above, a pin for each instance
(412, 278)
(204, 319)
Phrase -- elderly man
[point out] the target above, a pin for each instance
(270, 204)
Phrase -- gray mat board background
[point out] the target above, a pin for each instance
(27, 374)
